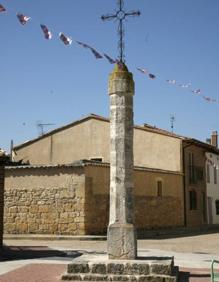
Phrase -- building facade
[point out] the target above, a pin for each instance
(170, 180)
(74, 199)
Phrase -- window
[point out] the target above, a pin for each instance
(208, 173)
(217, 207)
(215, 175)
(159, 188)
(192, 200)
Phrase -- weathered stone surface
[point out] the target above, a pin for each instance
(122, 243)
(80, 267)
(100, 268)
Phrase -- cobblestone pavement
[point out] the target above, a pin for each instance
(45, 261)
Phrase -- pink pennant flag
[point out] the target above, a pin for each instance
(22, 18)
(151, 76)
(2, 8)
(96, 54)
(111, 61)
(197, 91)
(47, 33)
(83, 44)
(171, 81)
(65, 39)
(144, 71)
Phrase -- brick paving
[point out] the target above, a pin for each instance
(35, 273)
(53, 272)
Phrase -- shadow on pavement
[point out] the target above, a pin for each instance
(32, 252)
(189, 276)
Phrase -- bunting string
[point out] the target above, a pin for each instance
(67, 40)
(184, 85)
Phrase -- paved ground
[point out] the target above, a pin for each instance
(45, 261)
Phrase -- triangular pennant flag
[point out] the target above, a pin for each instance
(2, 8)
(151, 76)
(171, 81)
(144, 71)
(96, 54)
(111, 61)
(47, 33)
(83, 44)
(185, 85)
(22, 18)
(65, 39)
(196, 91)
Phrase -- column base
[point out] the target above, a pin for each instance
(122, 241)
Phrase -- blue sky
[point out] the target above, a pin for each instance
(48, 82)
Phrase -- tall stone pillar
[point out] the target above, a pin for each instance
(122, 242)
(2, 161)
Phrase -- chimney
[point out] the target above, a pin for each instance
(214, 141)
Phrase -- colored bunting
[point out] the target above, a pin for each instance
(185, 85)
(83, 44)
(171, 81)
(47, 33)
(151, 76)
(96, 54)
(68, 41)
(196, 91)
(65, 39)
(144, 71)
(111, 61)
(22, 18)
(2, 8)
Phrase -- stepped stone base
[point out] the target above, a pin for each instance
(100, 268)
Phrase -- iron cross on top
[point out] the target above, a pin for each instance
(120, 16)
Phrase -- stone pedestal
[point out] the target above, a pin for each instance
(122, 243)
(100, 268)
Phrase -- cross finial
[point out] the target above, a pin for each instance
(120, 16)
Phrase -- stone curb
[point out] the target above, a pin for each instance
(53, 237)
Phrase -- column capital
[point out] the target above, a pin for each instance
(121, 81)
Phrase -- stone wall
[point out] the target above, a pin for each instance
(75, 200)
(151, 211)
(44, 201)
(1, 200)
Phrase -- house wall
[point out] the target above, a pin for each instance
(44, 201)
(76, 200)
(151, 211)
(1, 201)
(91, 139)
(198, 216)
(212, 188)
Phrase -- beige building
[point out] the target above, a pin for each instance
(170, 182)
(212, 177)
(74, 199)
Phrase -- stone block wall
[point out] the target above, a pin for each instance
(75, 200)
(44, 201)
(1, 201)
(151, 211)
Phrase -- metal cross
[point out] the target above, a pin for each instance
(120, 16)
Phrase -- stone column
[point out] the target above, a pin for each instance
(122, 242)
(2, 160)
